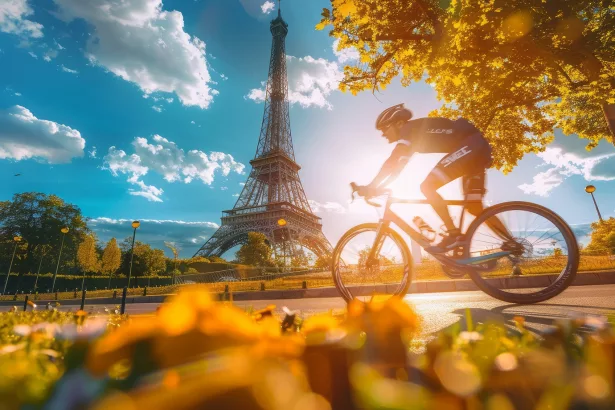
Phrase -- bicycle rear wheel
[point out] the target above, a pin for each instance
(542, 255)
(356, 277)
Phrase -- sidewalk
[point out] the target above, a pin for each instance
(588, 278)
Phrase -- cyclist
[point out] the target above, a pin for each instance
(468, 156)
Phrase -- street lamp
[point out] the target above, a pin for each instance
(590, 189)
(282, 222)
(135, 225)
(17, 239)
(53, 282)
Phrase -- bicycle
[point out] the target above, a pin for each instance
(539, 261)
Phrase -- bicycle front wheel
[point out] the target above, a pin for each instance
(389, 274)
(541, 252)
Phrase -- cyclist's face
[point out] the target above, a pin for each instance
(391, 133)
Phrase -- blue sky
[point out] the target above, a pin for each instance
(151, 110)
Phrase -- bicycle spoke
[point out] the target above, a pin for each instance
(362, 276)
(537, 250)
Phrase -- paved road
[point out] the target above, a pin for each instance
(441, 310)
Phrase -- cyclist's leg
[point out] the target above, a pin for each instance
(436, 179)
(473, 190)
(473, 155)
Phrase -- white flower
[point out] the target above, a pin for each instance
(22, 330)
(288, 311)
(49, 329)
(470, 336)
(90, 330)
(596, 322)
(11, 348)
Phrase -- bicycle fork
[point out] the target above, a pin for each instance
(372, 258)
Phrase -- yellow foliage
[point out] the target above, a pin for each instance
(517, 25)
(526, 77)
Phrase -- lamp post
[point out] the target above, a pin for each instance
(17, 239)
(40, 263)
(282, 223)
(590, 189)
(53, 282)
(135, 225)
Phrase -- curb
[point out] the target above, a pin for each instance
(456, 285)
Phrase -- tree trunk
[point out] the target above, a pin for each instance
(609, 115)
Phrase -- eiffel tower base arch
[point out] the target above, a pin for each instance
(288, 240)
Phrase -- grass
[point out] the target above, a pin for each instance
(195, 353)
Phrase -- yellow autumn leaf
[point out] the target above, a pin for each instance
(347, 8)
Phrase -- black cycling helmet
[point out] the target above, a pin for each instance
(392, 115)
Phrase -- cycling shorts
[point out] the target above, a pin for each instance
(470, 160)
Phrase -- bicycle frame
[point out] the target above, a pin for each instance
(390, 216)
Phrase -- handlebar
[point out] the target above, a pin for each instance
(373, 193)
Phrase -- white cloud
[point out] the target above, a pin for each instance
(567, 156)
(18, 94)
(235, 194)
(188, 235)
(33, 55)
(267, 7)
(152, 221)
(13, 20)
(223, 77)
(257, 94)
(50, 54)
(68, 70)
(156, 108)
(310, 82)
(543, 182)
(92, 154)
(224, 188)
(58, 45)
(142, 43)
(150, 192)
(169, 100)
(334, 207)
(346, 54)
(24, 136)
(192, 122)
(165, 158)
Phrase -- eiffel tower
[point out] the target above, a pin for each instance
(273, 201)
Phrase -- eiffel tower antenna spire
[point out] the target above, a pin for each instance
(273, 201)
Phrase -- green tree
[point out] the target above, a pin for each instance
(364, 254)
(216, 259)
(87, 257)
(323, 261)
(299, 260)
(146, 261)
(602, 238)
(38, 218)
(111, 258)
(256, 251)
(516, 69)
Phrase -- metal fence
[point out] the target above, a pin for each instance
(245, 275)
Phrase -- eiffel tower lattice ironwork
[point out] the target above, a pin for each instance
(273, 201)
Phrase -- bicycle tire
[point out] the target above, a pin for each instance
(566, 276)
(344, 291)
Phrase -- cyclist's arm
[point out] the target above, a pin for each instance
(393, 166)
